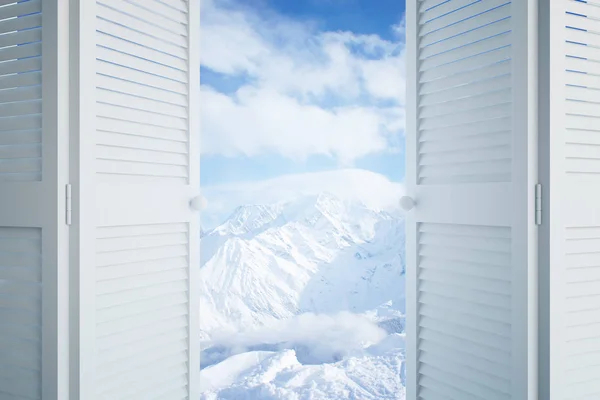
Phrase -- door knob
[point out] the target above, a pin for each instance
(198, 203)
(407, 203)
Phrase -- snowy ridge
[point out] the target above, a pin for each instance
(314, 282)
(268, 375)
(317, 254)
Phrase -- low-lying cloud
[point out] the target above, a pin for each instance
(316, 338)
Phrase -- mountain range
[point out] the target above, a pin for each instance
(314, 282)
(317, 254)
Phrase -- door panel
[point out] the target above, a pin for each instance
(33, 233)
(140, 329)
(469, 170)
(573, 359)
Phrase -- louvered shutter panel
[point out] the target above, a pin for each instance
(469, 169)
(570, 346)
(33, 236)
(139, 165)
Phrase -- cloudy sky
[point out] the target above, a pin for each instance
(294, 88)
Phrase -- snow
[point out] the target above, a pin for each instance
(279, 375)
(370, 188)
(303, 299)
(232, 369)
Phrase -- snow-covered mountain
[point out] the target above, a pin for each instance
(317, 254)
(267, 375)
(303, 299)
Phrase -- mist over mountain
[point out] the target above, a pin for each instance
(316, 254)
(304, 285)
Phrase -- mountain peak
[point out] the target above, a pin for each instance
(249, 218)
(349, 219)
(316, 253)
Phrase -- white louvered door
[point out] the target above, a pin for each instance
(139, 83)
(33, 233)
(571, 344)
(470, 170)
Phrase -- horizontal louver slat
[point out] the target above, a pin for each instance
(461, 14)
(137, 102)
(174, 14)
(464, 319)
(20, 311)
(141, 93)
(20, 92)
(465, 93)
(151, 14)
(142, 308)
(142, 26)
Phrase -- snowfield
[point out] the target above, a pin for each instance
(279, 375)
(303, 300)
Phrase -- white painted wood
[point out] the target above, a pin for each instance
(572, 247)
(82, 16)
(135, 171)
(412, 328)
(149, 26)
(193, 32)
(525, 178)
(471, 169)
(550, 133)
(34, 330)
(473, 146)
(21, 331)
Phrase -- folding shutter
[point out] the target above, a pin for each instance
(138, 89)
(570, 345)
(470, 170)
(33, 233)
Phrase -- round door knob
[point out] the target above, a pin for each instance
(407, 203)
(197, 203)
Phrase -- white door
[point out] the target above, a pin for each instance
(470, 170)
(572, 237)
(33, 265)
(140, 170)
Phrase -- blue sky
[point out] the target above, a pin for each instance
(298, 87)
(301, 21)
(358, 16)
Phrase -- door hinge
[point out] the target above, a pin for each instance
(68, 204)
(538, 204)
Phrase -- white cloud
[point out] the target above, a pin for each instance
(385, 78)
(258, 120)
(400, 29)
(308, 92)
(372, 189)
(324, 336)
